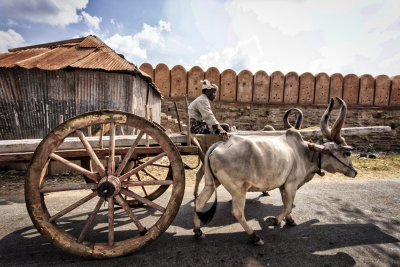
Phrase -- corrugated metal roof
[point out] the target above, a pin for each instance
(85, 53)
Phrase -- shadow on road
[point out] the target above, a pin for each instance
(306, 244)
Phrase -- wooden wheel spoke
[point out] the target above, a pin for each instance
(97, 164)
(111, 158)
(146, 183)
(143, 188)
(101, 136)
(142, 199)
(130, 213)
(90, 220)
(73, 206)
(156, 164)
(129, 154)
(110, 221)
(50, 189)
(91, 175)
(150, 174)
(121, 130)
(141, 167)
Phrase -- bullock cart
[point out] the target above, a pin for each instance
(116, 208)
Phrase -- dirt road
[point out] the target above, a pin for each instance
(340, 223)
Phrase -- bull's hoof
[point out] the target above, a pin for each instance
(256, 240)
(265, 194)
(271, 221)
(198, 234)
(291, 223)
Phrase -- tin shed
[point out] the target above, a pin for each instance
(41, 82)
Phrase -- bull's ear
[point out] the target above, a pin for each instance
(346, 148)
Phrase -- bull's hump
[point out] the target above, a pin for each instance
(293, 134)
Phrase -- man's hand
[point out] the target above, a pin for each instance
(221, 131)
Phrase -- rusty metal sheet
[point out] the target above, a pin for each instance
(105, 60)
(213, 75)
(277, 86)
(395, 94)
(261, 87)
(9, 60)
(367, 88)
(91, 41)
(291, 88)
(195, 76)
(322, 81)
(178, 81)
(228, 85)
(382, 90)
(245, 86)
(351, 87)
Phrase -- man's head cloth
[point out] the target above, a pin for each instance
(206, 84)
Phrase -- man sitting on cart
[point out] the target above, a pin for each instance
(202, 119)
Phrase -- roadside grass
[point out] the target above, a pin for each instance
(384, 166)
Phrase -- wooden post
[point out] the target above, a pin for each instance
(189, 137)
(146, 114)
(179, 118)
(101, 136)
(61, 119)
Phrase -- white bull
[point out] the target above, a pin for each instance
(263, 163)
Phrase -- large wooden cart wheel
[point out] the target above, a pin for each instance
(88, 222)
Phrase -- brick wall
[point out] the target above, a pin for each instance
(251, 116)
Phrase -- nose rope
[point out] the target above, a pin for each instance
(324, 150)
(348, 166)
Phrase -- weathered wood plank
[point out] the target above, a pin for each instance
(79, 154)
(318, 133)
(29, 145)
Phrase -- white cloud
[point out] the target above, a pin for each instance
(10, 39)
(152, 36)
(247, 54)
(136, 46)
(127, 45)
(53, 12)
(92, 21)
(331, 36)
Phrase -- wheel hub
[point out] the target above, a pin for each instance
(109, 187)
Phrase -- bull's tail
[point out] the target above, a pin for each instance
(206, 217)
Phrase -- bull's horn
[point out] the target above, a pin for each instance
(324, 121)
(299, 119)
(337, 126)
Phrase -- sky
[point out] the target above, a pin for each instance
(340, 36)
